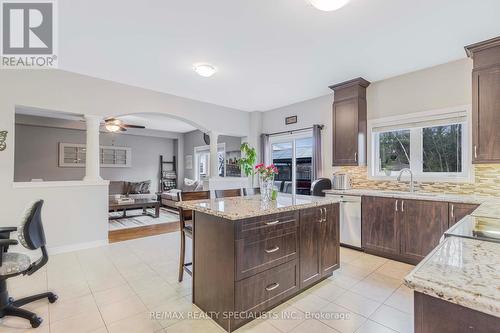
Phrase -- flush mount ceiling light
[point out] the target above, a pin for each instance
(328, 5)
(205, 70)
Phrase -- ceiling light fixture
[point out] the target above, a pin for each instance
(328, 5)
(205, 70)
(113, 125)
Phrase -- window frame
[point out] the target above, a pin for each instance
(221, 148)
(82, 147)
(416, 145)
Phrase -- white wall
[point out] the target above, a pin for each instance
(311, 112)
(37, 155)
(433, 88)
(438, 87)
(77, 215)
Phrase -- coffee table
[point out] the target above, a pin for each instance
(137, 204)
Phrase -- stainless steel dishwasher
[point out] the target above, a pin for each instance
(350, 220)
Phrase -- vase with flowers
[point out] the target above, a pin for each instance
(266, 179)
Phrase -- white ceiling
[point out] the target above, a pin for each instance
(158, 122)
(269, 53)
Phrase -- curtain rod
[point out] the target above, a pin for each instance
(297, 130)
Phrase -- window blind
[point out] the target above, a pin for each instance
(439, 120)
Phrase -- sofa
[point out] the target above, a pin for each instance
(171, 197)
(134, 190)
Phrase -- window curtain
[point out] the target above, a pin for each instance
(317, 163)
(265, 149)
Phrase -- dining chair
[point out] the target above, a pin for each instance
(228, 193)
(251, 191)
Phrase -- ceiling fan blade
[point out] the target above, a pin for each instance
(122, 129)
(134, 126)
(109, 119)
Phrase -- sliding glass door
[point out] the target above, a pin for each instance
(292, 155)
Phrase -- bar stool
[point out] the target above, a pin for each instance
(186, 227)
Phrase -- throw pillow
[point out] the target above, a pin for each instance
(146, 185)
(189, 185)
(134, 188)
(199, 187)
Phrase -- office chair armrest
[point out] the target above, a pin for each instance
(7, 229)
(4, 246)
(5, 232)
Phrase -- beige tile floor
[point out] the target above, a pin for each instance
(117, 287)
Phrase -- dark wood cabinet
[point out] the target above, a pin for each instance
(319, 243)
(458, 211)
(422, 225)
(380, 225)
(434, 315)
(250, 265)
(329, 241)
(401, 229)
(485, 100)
(349, 123)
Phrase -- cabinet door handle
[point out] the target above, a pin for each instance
(396, 208)
(274, 249)
(273, 222)
(321, 215)
(272, 286)
(475, 151)
(402, 205)
(324, 220)
(452, 211)
(355, 157)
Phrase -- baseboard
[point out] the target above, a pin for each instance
(77, 247)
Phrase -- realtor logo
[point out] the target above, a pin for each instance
(28, 34)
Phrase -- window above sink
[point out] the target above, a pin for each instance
(435, 145)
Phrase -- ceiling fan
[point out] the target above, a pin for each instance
(115, 125)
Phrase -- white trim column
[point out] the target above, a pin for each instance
(214, 159)
(92, 172)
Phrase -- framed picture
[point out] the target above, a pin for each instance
(290, 120)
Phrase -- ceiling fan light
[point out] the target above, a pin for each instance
(112, 127)
(328, 5)
(205, 70)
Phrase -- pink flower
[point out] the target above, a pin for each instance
(258, 166)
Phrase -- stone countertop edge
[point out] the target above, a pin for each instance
(449, 293)
(243, 214)
(449, 197)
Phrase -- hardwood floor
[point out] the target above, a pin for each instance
(139, 232)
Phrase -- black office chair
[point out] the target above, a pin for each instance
(32, 237)
(319, 185)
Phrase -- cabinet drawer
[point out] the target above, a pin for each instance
(256, 255)
(262, 227)
(262, 291)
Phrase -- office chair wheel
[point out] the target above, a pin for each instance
(52, 298)
(36, 321)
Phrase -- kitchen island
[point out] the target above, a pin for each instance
(456, 287)
(250, 256)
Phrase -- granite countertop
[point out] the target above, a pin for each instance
(251, 206)
(490, 209)
(462, 271)
(457, 198)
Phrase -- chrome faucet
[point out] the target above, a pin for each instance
(412, 185)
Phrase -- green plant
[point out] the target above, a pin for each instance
(248, 159)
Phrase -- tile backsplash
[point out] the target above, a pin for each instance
(487, 182)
